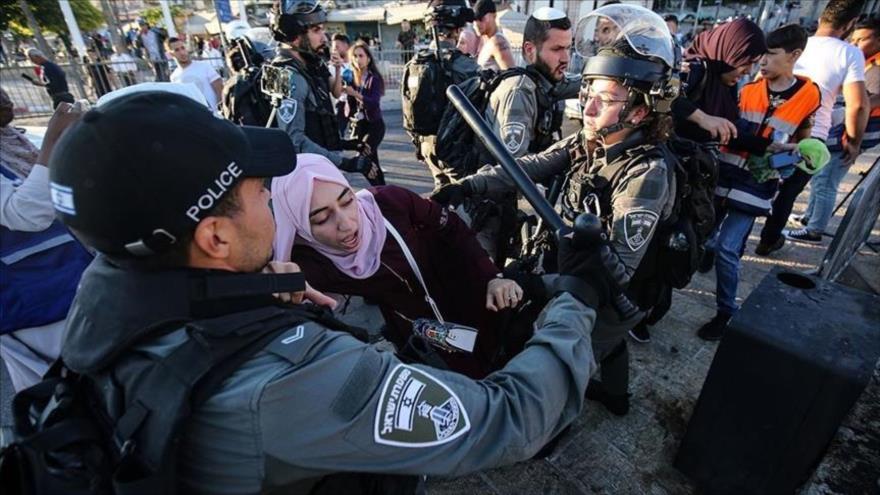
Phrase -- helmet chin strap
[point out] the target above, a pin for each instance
(622, 123)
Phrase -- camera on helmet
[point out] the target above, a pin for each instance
(275, 82)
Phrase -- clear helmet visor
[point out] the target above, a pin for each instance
(645, 31)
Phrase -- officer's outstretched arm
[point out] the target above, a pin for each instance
(493, 180)
(291, 117)
(344, 406)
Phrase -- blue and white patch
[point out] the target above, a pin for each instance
(417, 410)
(287, 110)
(513, 135)
(638, 226)
(62, 198)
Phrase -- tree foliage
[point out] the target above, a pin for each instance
(49, 16)
(154, 15)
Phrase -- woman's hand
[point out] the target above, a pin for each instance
(719, 127)
(310, 294)
(502, 293)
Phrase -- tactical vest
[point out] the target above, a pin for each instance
(591, 191)
(736, 183)
(549, 116)
(322, 127)
(39, 273)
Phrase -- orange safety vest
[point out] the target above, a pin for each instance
(754, 105)
(873, 62)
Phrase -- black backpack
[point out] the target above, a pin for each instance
(457, 147)
(67, 443)
(423, 90)
(242, 100)
(682, 238)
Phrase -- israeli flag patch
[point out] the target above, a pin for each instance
(62, 198)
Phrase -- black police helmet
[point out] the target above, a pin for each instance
(290, 18)
(621, 62)
(448, 13)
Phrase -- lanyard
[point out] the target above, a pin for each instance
(415, 269)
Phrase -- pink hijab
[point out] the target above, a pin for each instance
(291, 199)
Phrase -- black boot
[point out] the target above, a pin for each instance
(714, 329)
(640, 332)
(616, 404)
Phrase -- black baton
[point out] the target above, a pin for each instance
(624, 307)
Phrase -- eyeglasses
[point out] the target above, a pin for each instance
(604, 102)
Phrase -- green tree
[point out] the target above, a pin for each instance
(49, 16)
(155, 17)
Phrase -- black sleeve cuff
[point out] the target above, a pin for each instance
(581, 290)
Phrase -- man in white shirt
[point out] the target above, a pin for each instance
(494, 52)
(40, 263)
(196, 72)
(124, 66)
(835, 66)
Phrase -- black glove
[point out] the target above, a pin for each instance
(359, 164)
(350, 144)
(452, 194)
(582, 273)
(363, 165)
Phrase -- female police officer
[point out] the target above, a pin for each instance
(615, 166)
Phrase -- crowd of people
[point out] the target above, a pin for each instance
(210, 249)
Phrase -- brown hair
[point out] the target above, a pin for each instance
(371, 67)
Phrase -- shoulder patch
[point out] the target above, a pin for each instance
(638, 226)
(287, 110)
(513, 134)
(416, 410)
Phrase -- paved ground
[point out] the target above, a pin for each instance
(603, 453)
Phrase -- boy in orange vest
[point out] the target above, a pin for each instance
(776, 112)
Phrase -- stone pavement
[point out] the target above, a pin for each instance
(603, 453)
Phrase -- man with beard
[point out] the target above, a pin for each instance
(617, 167)
(526, 111)
(306, 111)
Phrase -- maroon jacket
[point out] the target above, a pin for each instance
(455, 268)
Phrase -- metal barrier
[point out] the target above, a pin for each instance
(90, 81)
(857, 223)
(85, 81)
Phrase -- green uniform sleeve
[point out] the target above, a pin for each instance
(512, 113)
(641, 200)
(291, 117)
(344, 406)
(494, 181)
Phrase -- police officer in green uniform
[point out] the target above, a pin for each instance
(447, 18)
(183, 227)
(303, 98)
(614, 167)
(526, 112)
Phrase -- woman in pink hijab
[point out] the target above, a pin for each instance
(344, 242)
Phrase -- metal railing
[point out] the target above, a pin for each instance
(85, 81)
(90, 81)
(858, 221)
